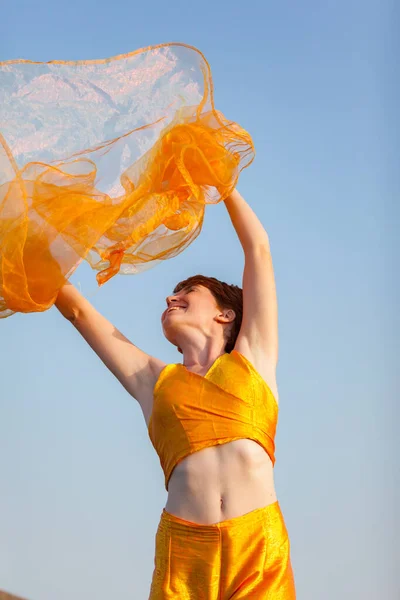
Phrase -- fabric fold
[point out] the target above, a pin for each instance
(110, 161)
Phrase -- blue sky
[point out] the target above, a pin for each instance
(82, 489)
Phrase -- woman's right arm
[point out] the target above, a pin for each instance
(134, 369)
(70, 302)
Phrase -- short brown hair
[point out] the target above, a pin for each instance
(226, 296)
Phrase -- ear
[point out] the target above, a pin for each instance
(230, 315)
(227, 316)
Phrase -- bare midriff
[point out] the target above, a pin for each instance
(221, 482)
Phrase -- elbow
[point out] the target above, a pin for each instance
(69, 313)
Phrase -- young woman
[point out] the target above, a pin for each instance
(212, 420)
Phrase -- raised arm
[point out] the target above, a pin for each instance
(136, 370)
(259, 330)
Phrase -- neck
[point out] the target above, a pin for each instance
(200, 356)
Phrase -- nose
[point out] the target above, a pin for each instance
(170, 299)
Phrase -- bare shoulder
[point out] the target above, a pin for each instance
(263, 364)
(135, 369)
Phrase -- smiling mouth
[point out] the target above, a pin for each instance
(172, 308)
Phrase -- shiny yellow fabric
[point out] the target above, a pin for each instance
(239, 559)
(191, 412)
(112, 161)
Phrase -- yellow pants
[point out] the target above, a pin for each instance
(247, 557)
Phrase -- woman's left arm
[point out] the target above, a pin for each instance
(259, 330)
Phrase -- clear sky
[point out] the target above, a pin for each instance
(82, 490)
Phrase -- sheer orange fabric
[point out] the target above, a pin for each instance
(192, 412)
(112, 161)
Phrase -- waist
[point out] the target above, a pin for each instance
(221, 482)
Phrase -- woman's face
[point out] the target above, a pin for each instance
(193, 308)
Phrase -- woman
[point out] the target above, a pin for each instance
(212, 420)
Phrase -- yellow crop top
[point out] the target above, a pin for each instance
(191, 412)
